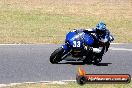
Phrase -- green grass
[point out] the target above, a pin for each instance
(71, 85)
(48, 21)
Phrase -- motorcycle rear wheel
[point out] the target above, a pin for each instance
(97, 60)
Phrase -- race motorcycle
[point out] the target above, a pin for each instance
(78, 45)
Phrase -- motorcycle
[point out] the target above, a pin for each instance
(78, 45)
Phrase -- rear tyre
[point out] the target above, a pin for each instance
(88, 59)
(97, 60)
(56, 56)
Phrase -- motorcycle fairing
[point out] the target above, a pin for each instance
(77, 39)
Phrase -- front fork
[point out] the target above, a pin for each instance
(66, 52)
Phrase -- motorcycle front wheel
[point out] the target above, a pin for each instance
(56, 56)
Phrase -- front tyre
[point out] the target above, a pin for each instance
(56, 56)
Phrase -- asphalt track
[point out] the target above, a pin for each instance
(30, 63)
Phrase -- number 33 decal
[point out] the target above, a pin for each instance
(76, 43)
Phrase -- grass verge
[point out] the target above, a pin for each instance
(71, 85)
(44, 21)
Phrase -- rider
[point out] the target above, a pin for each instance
(102, 38)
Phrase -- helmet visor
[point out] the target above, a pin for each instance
(100, 32)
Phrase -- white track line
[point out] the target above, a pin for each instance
(22, 44)
(51, 43)
(117, 43)
(61, 82)
(121, 49)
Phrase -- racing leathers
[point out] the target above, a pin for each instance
(101, 42)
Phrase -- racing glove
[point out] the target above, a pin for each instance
(97, 50)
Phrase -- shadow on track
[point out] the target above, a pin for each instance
(103, 64)
(73, 63)
(81, 63)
